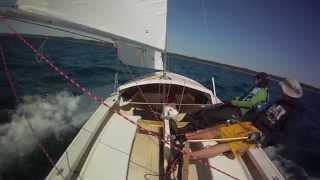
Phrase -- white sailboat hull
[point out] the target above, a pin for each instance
(76, 152)
(108, 146)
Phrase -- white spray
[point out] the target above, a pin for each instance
(50, 115)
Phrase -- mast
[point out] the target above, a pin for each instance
(164, 61)
(164, 54)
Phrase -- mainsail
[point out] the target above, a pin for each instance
(141, 23)
(140, 56)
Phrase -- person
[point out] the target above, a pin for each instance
(271, 123)
(256, 97)
(253, 100)
(278, 117)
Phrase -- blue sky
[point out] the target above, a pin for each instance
(281, 37)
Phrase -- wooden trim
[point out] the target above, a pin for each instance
(186, 162)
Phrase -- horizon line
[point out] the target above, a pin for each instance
(242, 69)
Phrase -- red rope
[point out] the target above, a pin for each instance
(172, 167)
(91, 94)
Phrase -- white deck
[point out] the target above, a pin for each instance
(70, 159)
(110, 154)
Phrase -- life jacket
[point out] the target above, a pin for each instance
(251, 93)
(261, 106)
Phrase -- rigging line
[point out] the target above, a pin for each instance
(156, 115)
(167, 96)
(41, 49)
(181, 98)
(13, 90)
(159, 92)
(90, 94)
(7, 73)
(127, 69)
(142, 57)
(172, 166)
(163, 92)
(41, 146)
(164, 54)
(44, 150)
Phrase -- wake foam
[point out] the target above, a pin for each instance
(289, 169)
(50, 116)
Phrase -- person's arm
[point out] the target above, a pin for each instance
(250, 103)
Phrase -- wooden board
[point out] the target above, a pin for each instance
(144, 160)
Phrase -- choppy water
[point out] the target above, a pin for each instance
(57, 110)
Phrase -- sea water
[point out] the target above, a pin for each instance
(57, 110)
